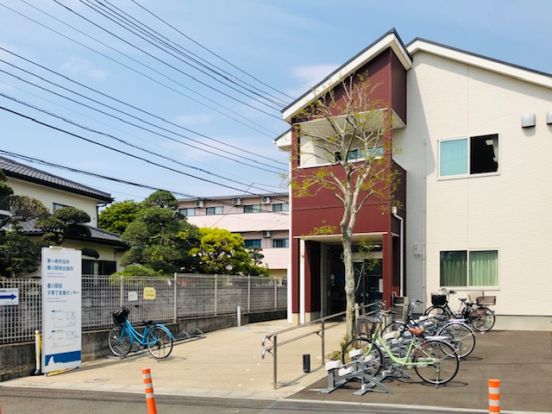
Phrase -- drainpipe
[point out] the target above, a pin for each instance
(394, 212)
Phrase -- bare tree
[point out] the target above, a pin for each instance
(346, 131)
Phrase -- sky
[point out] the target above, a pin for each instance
(289, 45)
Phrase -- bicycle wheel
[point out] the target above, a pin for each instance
(119, 341)
(438, 362)
(482, 319)
(436, 311)
(461, 337)
(371, 353)
(160, 343)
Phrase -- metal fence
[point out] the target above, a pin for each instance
(179, 296)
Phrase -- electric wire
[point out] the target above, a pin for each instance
(208, 50)
(109, 178)
(137, 108)
(91, 141)
(238, 161)
(124, 17)
(122, 141)
(165, 62)
(254, 125)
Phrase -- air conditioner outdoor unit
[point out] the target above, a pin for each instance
(266, 200)
(267, 234)
(237, 201)
(200, 203)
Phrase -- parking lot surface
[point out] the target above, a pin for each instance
(228, 364)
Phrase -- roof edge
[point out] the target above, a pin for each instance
(479, 60)
(354, 62)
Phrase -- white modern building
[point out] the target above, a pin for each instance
(473, 136)
(263, 222)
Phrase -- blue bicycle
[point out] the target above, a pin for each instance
(156, 336)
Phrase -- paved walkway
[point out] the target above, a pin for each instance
(226, 363)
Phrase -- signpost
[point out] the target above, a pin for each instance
(61, 308)
(9, 296)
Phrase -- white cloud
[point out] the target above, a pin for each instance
(78, 66)
(309, 75)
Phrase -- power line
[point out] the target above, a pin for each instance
(122, 141)
(166, 63)
(209, 50)
(136, 108)
(117, 20)
(108, 178)
(258, 127)
(89, 140)
(119, 14)
(130, 115)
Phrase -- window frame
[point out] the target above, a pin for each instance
(252, 205)
(469, 287)
(187, 208)
(286, 244)
(216, 211)
(282, 207)
(253, 247)
(468, 159)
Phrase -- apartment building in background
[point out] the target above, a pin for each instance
(263, 222)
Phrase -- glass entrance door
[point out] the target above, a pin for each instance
(368, 281)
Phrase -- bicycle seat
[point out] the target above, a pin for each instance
(416, 331)
(462, 299)
(148, 323)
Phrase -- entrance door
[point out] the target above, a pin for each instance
(368, 281)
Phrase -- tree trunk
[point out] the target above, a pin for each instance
(349, 283)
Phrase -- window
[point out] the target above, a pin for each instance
(57, 206)
(359, 154)
(474, 268)
(211, 211)
(468, 156)
(98, 267)
(280, 243)
(187, 212)
(276, 208)
(253, 243)
(252, 208)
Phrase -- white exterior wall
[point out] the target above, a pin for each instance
(48, 196)
(508, 211)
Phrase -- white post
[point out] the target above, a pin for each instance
(302, 281)
(238, 311)
(175, 306)
(275, 294)
(216, 294)
(249, 294)
(38, 346)
(122, 290)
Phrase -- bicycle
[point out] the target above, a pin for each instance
(434, 360)
(156, 336)
(478, 315)
(458, 333)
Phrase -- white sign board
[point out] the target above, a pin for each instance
(9, 296)
(132, 296)
(61, 308)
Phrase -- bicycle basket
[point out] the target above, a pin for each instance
(120, 315)
(367, 325)
(438, 299)
(486, 300)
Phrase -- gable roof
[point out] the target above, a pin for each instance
(24, 172)
(97, 235)
(485, 62)
(389, 39)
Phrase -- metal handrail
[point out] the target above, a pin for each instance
(273, 337)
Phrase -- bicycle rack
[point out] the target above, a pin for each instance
(359, 369)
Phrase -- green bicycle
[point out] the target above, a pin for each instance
(432, 358)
